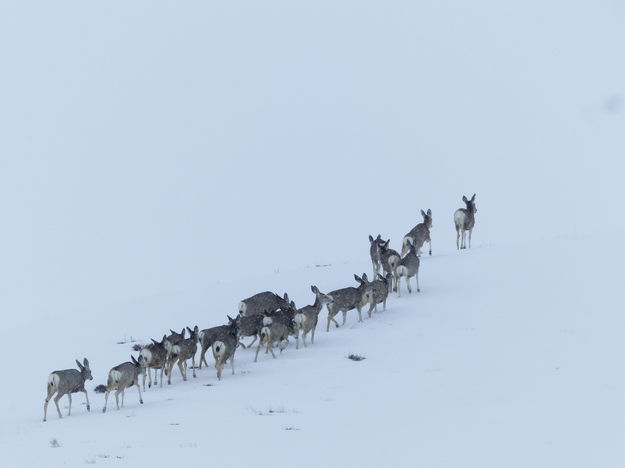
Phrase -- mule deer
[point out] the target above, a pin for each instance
(274, 331)
(225, 346)
(420, 234)
(250, 326)
(407, 268)
(154, 357)
(389, 259)
(209, 335)
(345, 300)
(182, 351)
(66, 382)
(306, 318)
(378, 291)
(260, 302)
(172, 340)
(374, 252)
(122, 377)
(464, 219)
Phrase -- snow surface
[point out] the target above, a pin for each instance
(161, 161)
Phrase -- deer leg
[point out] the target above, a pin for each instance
(140, 396)
(182, 372)
(398, 285)
(193, 364)
(430, 247)
(408, 284)
(69, 411)
(106, 399)
(232, 363)
(162, 371)
(417, 279)
(270, 346)
(260, 344)
(359, 313)
(87, 398)
(457, 238)
(344, 316)
(203, 357)
(384, 307)
(253, 341)
(470, 232)
(56, 402)
(117, 398)
(45, 405)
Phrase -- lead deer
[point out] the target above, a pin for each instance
(66, 382)
(464, 219)
(420, 234)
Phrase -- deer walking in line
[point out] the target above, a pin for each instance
(307, 317)
(419, 235)
(122, 377)
(154, 357)
(374, 253)
(66, 382)
(275, 330)
(407, 268)
(259, 303)
(464, 219)
(346, 299)
(225, 345)
(378, 291)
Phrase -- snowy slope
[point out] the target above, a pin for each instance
(159, 162)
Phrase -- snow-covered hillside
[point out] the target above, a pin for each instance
(159, 162)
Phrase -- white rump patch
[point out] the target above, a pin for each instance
(147, 355)
(402, 270)
(219, 348)
(299, 319)
(242, 307)
(265, 332)
(53, 380)
(200, 335)
(267, 321)
(115, 375)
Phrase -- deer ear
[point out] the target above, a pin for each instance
(312, 288)
(154, 341)
(134, 361)
(464, 199)
(85, 362)
(196, 329)
(172, 331)
(423, 213)
(473, 197)
(379, 237)
(370, 238)
(286, 297)
(80, 366)
(358, 278)
(429, 212)
(230, 319)
(292, 304)
(164, 339)
(364, 277)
